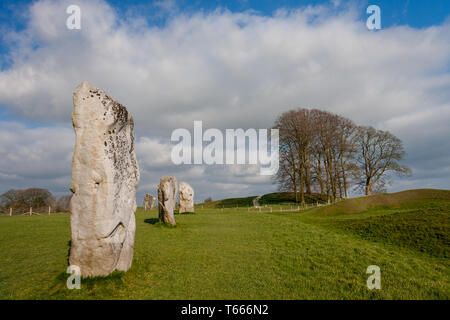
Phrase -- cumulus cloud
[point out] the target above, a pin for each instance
(35, 157)
(153, 153)
(231, 70)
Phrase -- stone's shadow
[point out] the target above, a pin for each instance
(69, 244)
(151, 220)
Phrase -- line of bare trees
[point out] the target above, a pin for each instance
(321, 152)
(38, 199)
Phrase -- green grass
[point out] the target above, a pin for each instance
(423, 230)
(286, 198)
(230, 203)
(289, 197)
(320, 253)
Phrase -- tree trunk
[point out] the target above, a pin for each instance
(307, 175)
(369, 186)
(295, 187)
(302, 184)
(344, 179)
(327, 182)
(319, 176)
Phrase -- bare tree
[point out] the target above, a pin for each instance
(323, 151)
(63, 203)
(296, 137)
(346, 135)
(286, 176)
(9, 197)
(326, 126)
(316, 152)
(35, 197)
(23, 199)
(379, 153)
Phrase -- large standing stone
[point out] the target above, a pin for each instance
(186, 198)
(105, 176)
(167, 198)
(149, 202)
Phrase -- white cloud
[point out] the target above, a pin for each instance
(231, 187)
(35, 157)
(198, 66)
(152, 153)
(166, 5)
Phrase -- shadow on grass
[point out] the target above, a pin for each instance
(92, 283)
(114, 276)
(157, 223)
(151, 220)
(69, 244)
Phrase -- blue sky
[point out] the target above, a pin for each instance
(415, 13)
(232, 64)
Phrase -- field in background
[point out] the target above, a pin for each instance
(234, 253)
(276, 198)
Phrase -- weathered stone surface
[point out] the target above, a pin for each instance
(149, 202)
(105, 176)
(167, 199)
(186, 198)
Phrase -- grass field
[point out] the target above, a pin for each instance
(319, 253)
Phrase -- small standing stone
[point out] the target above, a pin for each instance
(149, 202)
(186, 198)
(167, 197)
(256, 201)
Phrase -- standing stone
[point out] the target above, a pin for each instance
(105, 176)
(186, 198)
(256, 201)
(167, 197)
(149, 202)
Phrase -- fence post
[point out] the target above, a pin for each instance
(259, 209)
(270, 209)
(31, 211)
(49, 209)
(10, 212)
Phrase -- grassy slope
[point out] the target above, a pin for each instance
(414, 219)
(267, 199)
(321, 253)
